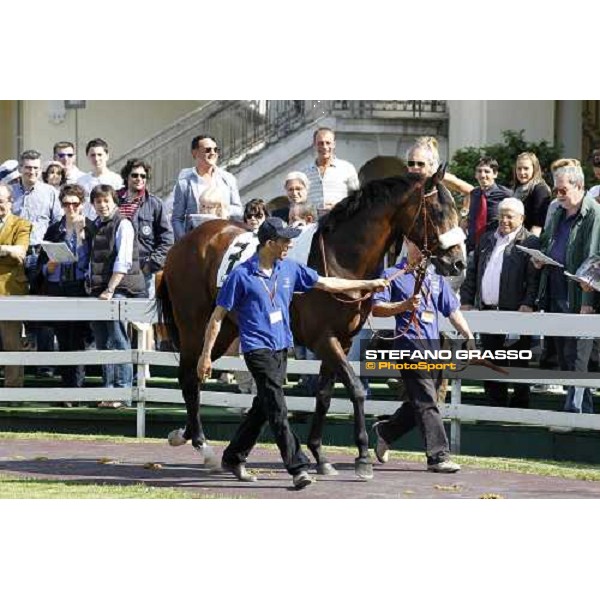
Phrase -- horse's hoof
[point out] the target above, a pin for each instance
(363, 469)
(207, 455)
(326, 469)
(210, 458)
(175, 438)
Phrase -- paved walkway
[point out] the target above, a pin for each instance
(158, 464)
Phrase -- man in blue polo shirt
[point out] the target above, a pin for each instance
(260, 291)
(399, 300)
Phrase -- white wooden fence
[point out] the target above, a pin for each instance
(36, 308)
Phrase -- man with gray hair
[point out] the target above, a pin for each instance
(572, 236)
(38, 203)
(501, 277)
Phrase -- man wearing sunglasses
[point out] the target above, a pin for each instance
(194, 182)
(64, 153)
(149, 218)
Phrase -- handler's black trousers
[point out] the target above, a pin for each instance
(420, 409)
(268, 368)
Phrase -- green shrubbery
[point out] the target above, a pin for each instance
(463, 162)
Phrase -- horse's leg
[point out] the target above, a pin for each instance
(315, 437)
(333, 355)
(362, 465)
(190, 389)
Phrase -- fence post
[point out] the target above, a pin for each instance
(455, 400)
(140, 386)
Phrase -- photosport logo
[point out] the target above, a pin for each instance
(430, 357)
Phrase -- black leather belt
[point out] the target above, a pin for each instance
(489, 307)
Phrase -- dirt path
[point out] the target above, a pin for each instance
(121, 463)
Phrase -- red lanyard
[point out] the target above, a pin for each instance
(271, 293)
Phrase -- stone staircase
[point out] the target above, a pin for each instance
(259, 135)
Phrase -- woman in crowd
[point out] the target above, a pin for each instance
(68, 278)
(529, 187)
(115, 273)
(255, 213)
(424, 157)
(54, 174)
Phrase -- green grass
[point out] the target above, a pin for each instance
(37, 489)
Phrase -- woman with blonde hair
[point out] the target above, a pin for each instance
(424, 157)
(529, 187)
(212, 203)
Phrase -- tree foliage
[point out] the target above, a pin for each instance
(464, 160)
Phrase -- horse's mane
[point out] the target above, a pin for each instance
(373, 193)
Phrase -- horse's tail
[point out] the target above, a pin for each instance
(164, 308)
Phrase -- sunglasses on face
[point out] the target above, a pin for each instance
(415, 163)
(65, 154)
(214, 149)
(71, 204)
(138, 175)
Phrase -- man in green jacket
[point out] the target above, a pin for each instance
(573, 236)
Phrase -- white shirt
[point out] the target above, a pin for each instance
(340, 178)
(89, 181)
(490, 282)
(124, 240)
(74, 175)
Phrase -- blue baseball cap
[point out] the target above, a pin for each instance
(274, 228)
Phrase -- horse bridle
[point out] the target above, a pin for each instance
(445, 240)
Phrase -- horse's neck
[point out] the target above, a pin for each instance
(369, 233)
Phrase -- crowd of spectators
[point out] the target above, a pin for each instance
(119, 233)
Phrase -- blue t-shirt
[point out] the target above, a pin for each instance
(263, 303)
(436, 297)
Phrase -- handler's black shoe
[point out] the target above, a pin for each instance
(239, 471)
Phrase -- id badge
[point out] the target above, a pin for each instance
(275, 317)
(428, 316)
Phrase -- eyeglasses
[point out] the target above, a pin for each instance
(214, 149)
(138, 175)
(71, 204)
(560, 191)
(65, 154)
(415, 163)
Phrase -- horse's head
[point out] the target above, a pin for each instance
(435, 229)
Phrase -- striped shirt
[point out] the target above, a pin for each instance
(340, 178)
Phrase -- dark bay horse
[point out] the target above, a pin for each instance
(350, 242)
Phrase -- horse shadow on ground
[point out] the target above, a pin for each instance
(180, 476)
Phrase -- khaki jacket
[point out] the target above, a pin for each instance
(15, 232)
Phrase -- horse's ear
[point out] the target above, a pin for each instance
(439, 175)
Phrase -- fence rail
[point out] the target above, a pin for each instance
(37, 308)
